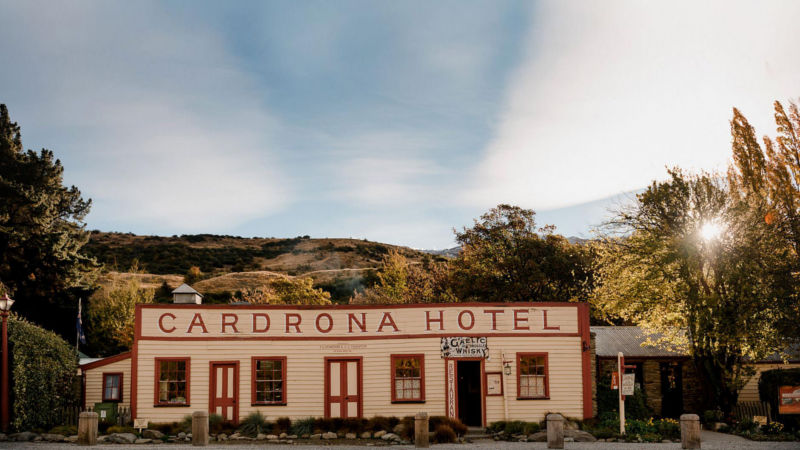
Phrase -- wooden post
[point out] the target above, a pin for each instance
(200, 428)
(4, 411)
(690, 431)
(421, 430)
(555, 431)
(87, 428)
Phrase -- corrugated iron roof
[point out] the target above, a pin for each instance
(185, 289)
(631, 342)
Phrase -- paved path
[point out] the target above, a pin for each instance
(714, 443)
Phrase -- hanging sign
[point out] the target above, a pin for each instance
(628, 380)
(464, 347)
(789, 400)
(614, 381)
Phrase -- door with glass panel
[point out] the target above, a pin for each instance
(225, 390)
(343, 387)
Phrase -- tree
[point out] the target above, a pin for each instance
(769, 179)
(287, 291)
(41, 231)
(504, 257)
(193, 275)
(111, 313)
(692, 262)
(401, 281)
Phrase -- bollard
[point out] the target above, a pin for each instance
(200, 428)
(421, 430)
(87, 428)
(555, 431)
(690, 431)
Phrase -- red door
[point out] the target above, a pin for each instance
(224, 390)
(343, 387)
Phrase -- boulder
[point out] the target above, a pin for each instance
(329, 435)
(49, 437)
(379, 434)
(152, 434)
(315, 436)
(350, 436)
(540, 436)
(579, 436)
(399, 428)
(25, 436)
(272, 437)
(73, 438)
(571, 425)
(291, 436)
(122, 438)
(390, 437)
(182, 435)
(366, 435)
(142, 441)
(222, 437)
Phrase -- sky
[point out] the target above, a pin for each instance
(390, 121)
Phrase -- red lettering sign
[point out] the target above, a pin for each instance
(544, 317)
(387, 320)
(351, 319)
(330, 322)
(293, 323)
(161, 322)
(197, 321)
(428, 320)
(494, 313)
(519, 320)
(471, 320)
(255, 323)
(232, 324)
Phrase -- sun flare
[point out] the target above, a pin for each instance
(711, 230)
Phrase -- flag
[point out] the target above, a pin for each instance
(79, 325)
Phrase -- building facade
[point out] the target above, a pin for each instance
(477, 362)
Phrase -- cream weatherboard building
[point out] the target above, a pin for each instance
(477, 362)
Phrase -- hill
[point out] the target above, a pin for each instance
(232, 263)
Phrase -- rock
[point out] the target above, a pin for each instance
(569, 439)
(366, 435)
(37, 439)
(540, 436)
(222, 437)
(53, 437)
(73, 438)
(122, 438)
(379, 434)
(291, 436)
(399, 428)
(283, 436)
(390, 437)
(571, 425)
(25, 436)
(666, 441)
(315, 436)
(142, 441)
(152, 434)
(102, 438)
(272, 437)
(261, 436)
(189, 435)
(579, 436)
(340, 434)
(182, 435)
(329, 435)
(350, 436)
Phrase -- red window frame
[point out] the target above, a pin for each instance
(253, 362)
(546, 375)
(421, 358)
(119, 388)
(158, 361)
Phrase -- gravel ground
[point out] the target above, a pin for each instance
(708, 445)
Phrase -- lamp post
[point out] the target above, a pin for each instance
(5, 306)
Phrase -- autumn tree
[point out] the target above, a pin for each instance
(111, 313)
(505, 258)
(690, 261)
(41, 231)
(398, 280)
(286, 291)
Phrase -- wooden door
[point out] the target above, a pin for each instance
(224, 390)
(343, 387)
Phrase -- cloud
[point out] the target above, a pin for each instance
(153, 118)
(609, 93)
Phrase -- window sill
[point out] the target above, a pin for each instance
(408, 401)
(268, 404)
(111, 400)
(171, 405)
(533, 398)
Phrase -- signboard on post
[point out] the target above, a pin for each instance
(628, 380)
(614, 381)
(789, 400)
(464, 347)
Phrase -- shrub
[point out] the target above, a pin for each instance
(303, 426)
(668, 428)
(514, 427)
(608, 400)
(353, 425)
(169, 428)
(531, 427)
(379, 423)
(283, 425)
(772, 428)
(496, 427)
(43, 375)
(444, 435)
(639, 427)
(324, 424)
(746, 426)
(651, 437)
(66, 430)
(407, 426)
(712, 416)
(253, 424)
(216, 424)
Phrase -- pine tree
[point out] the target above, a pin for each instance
(41, 231)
